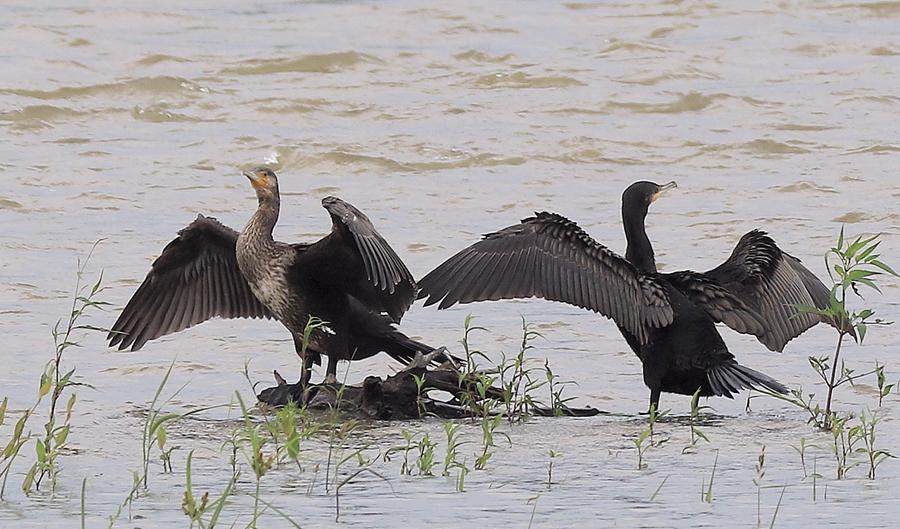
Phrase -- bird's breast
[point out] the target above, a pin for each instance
(265, 270)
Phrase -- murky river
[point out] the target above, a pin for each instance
(121, 121)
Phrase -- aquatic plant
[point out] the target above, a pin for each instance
(451, 430)
(488, 431)
(405, 467)
(706, 490)
(260, 461)
(195, 509)
(516, 378)
(801, 450)
(644, 439)
(533, 501)
(659, 488)
(53, 383)
(757, 480)
(777, 507)
(154, 428)
(875, 456)
(425, 461)
(696, 433)
(849, 265)
(553, 455)
(844, 440)
(18, 439)
(884, 389)
(557, 403)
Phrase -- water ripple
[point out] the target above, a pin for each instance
(523, 80)
(161, 85)
(315, 63)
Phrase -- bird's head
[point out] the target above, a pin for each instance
(639, 195)
(264, 182)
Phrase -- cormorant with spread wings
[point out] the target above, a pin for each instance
(351, 279)
(668, 319)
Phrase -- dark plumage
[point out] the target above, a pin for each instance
(351, 279)
(667, 319)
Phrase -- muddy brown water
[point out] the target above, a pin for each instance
(443, 121)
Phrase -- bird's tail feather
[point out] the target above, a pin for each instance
(403, 349)
(728, 379)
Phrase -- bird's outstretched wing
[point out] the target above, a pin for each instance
(772, 284)
(194, 279)
(356, 259)
(549, 256)
(720, 303)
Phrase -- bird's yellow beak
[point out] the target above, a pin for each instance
(663, 188)
(257, 179)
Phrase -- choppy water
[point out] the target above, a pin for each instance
(442, 121)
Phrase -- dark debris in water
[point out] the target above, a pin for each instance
(398, 396)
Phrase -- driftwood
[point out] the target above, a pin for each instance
(398, 396)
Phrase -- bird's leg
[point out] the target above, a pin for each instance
(654, 400)
(331, 371)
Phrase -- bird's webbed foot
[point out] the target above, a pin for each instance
(284, 393)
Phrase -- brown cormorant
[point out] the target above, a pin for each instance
(351, 279)
(667, 319)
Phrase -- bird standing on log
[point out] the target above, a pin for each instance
(669, 319)
(351, 279)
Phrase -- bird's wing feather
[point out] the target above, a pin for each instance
(194, 279)
(355, 258)
(550, 257)
(721, 304)
(773, 284)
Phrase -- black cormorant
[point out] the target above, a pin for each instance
(667, 319)
(351, 279)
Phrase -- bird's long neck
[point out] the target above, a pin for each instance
(639, 251)
(261, 224)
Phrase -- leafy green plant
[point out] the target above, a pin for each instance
(54, 383)
(884, 389)
(844, 440)
(128, 501)
(364, 465)
(815, 478)
(405, 467)
(849, 265)
(696, 433)
(461, 476)
(516, 379)
(553, 455)
(154, 429)
(451, 430)
(875, 456)
(489, 426)
(645, 439)
(14, 446)
(261, 461)
(425, 461)
(195, 509)
(801, 450)
(557, 401)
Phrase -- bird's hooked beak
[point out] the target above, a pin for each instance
(662, 189)
(257, 179)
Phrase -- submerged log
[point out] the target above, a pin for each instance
(399, 396)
